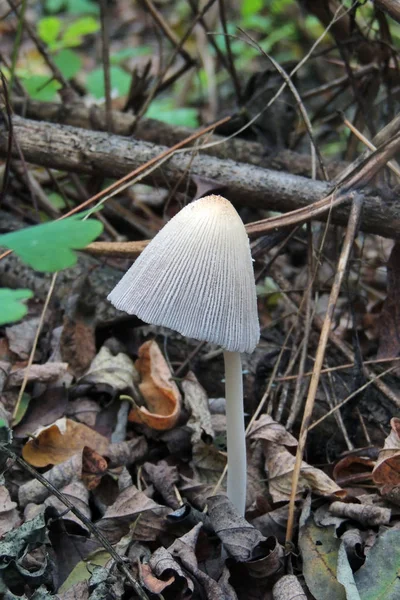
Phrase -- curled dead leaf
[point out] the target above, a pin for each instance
(279, 464)
(60, 441)
(94, 467)
(366, 514)
(265, 428)
(240, 539)
(387, 469)
(161, 394)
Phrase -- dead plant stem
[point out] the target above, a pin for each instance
(351, 233)
(35, 342)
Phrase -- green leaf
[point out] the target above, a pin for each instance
(22, 408)
(345, 574)
(319, 550)
(49, 29)
(81, 572)
(12, 309)
(49, 247)
(41, 87)
(163, 110)
(250, 7)
(378, 578)
(54, 6)
(126, 53)
(120, 82)
(69, 62)
(56, 199)
(79, 7)
(76, 31)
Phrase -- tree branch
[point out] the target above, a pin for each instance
(83, 151)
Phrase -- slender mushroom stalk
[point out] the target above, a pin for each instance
(235, 431)
(196, 277)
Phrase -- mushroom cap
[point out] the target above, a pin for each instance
(196, 277)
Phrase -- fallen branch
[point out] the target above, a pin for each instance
(82, 151)
(157, 132)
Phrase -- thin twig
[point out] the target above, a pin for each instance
(355, 393)
(87, 522)
(231, 63)
(351, 233)
(298, 391)
(34, 346)
(105, 52)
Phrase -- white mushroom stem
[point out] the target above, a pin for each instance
(235, 432)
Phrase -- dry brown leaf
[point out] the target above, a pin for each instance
(163, 565)
(153, 583)
(274, 523)
(21, 336)
(184, 550)
(367, 515)
(9, 517)
(288, 588)
(208, 462)
(78, 341)
(78, 494)
(94, 466)
(265, 428)
(240, 539)
(389, 338)
(195, 492)
(127, 453)
(196, 401)
(161, 394)
(164, 477)
(110, 372)
(279, 464)
(43, 410)
(133, 509)
(59, 476)
(50, 371)
(387, 469)
(353, 468)
(60, 441)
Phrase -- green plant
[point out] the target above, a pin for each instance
(72, 7)
(46, 248)
(163, 109)
(59, 38)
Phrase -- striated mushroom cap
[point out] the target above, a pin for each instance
(196, 277)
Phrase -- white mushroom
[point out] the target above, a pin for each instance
(196, 277)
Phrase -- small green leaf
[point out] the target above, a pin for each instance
(75, 32)
(41, 87)
(49, 247)
(127, 53)
(79, 7)
(22, 408)
(378, 578)
(163, 110)
(319, 549)
(49, 29)
(11, 307)
(250, 7)
(69, 62)
(56, 199)
(81, 572)
(120, 82)
(54, 6)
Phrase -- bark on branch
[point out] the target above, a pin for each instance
(82, 151)
(157, 132)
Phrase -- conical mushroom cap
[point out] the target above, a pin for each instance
(196, 277)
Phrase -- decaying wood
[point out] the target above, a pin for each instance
(82, 151)
(157, 132)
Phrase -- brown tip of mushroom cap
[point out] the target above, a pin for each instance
(196, 277)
